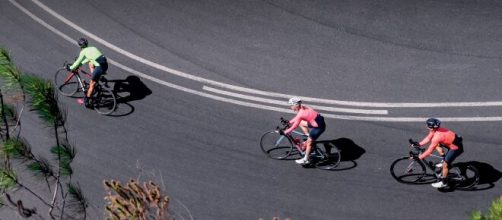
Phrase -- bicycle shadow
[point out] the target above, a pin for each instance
(127, 90)
(349, 152)
(488, 175)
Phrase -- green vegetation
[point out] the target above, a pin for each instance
(495, 212)
(63, 197)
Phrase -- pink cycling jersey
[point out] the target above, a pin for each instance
(305, 113)
(440, 136)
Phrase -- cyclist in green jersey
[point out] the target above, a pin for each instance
(97, 64)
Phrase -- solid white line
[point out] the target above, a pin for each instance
(195, 92)
(283, 103)
(145, 76)
(414, 119)
(254, 91)
(42, 22)
(284, 110)
(346, 117)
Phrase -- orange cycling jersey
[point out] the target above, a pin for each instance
(305, 113)
(440, 136)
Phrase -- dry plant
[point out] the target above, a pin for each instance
(133, 201)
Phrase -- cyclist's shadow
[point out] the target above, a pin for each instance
(128, 90)
(349, 152)
(488, 175)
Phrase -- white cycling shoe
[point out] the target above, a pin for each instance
(302, 161)
(439, 184)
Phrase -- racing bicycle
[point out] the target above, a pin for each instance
(280, 147)
(68, 83)
(412, 170)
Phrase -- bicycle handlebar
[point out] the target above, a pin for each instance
(415, 148)
(284, 123)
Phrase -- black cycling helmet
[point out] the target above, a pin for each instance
(433, 123)
(82, 42)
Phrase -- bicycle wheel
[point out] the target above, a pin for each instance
(464, 177)
(66, 82)
(327, 157)
(276, 146)
(104, 101)
(405, 170)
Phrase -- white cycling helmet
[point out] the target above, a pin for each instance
(295, 101)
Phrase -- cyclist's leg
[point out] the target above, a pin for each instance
(314, 134)
(440, 151)
(91, 67)
(451, 156)
(304, 126)
(94, 78)
(97, 71)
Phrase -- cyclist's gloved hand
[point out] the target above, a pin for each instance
(67, 67)
(281, 132)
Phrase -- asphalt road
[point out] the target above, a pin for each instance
(174, 125)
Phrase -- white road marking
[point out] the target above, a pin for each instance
(254, 91)
(283, 103)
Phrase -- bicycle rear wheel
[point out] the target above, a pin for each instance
(104, 101)
(408, 171)
(327, 157)
(464, 177)
(276, 146)
(66, 82)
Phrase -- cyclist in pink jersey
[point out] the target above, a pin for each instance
(306, 118)
(442, 136)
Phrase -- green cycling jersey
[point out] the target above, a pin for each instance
(88, 54)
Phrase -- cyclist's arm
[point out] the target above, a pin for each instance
(295, 122)
(427, 139)
(432, 147)
(85, 61)
(78, 61)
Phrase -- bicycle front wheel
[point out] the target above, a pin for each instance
(464, 177)
(104, 101)
(66, 82)
(327, 157)
(408, 171)
(276, 146)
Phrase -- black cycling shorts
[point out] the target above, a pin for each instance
(315, 132)
(452, 154)
(101, 69)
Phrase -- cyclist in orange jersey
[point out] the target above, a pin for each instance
(442, 136)
(306, 118)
